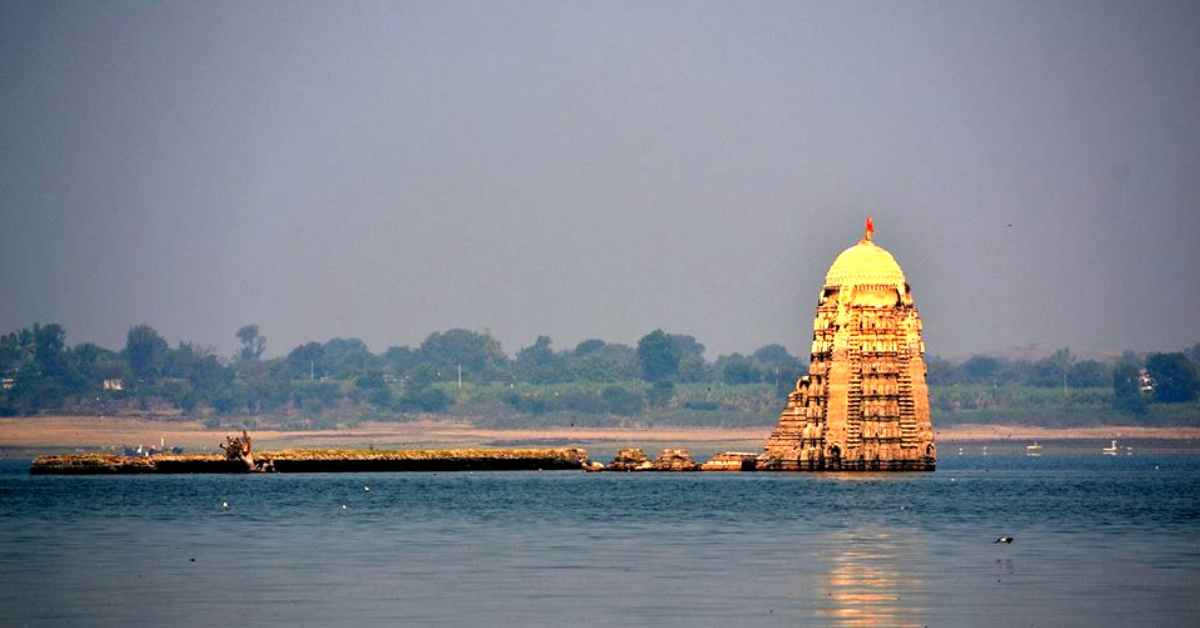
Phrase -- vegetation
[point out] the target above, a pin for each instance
(665, 379)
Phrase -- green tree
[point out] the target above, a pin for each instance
(346, 358)
(263, 386)
(1127, 393)
(307, 361)
(38, 364)
(480, 355)
(420, 394)
(737, 369)
(539, 363)
(1126, 381)
(49, 342)
(1193, 353)
(598, 361)
(1174, 377)
(693, 368)
(592, 345)
(940, 371)
(594, 367)
(1051, 371)
(687, 345)
(779, 366)
(379, 393)
(661, 393)
(314, 396)
(401, 360)
(1088, 374)
(253, 343)
(658, 356)
(14, 349)
(981, 369)
(92, 364)
(145, 349)
(621, 401)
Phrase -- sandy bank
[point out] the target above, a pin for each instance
(979, 433)
(62, 432)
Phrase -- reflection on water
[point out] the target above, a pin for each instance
(862, 586)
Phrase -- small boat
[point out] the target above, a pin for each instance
(1111, 450)
(1033, 450)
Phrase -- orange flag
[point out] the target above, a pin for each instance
(870, 228)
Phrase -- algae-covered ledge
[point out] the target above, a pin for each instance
(318, 460)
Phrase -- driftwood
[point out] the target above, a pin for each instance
(239, 448)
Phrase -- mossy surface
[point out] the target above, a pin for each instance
(319, 460)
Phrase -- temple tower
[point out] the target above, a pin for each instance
(864, 404)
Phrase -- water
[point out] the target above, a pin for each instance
(1100, 541)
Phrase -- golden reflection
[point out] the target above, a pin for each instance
(865, 584)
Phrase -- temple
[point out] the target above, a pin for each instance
(864, 404)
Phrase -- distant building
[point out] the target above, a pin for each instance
(7, 383)
(114, 384)
(864, 404)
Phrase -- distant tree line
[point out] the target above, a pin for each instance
(42, 372)
(1133, 383)
(468, 373)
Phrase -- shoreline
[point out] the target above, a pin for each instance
(75, 432)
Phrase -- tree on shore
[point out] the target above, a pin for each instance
(1127, 389)
(1174, 377)
(145, 349)
(253, 343)
(659, 356)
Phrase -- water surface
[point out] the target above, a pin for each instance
(1100, 541)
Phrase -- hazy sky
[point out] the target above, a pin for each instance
(594, 169)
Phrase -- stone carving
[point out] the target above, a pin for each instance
(864, 404)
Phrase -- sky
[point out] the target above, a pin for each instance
(385, 170)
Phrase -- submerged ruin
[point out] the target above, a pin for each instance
(864, 404)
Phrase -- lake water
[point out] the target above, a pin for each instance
(1100, 541)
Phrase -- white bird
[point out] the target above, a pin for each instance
(367, 489)
(225, 506)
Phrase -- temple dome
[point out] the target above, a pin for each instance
(864, 264)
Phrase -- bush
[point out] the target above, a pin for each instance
(621, 401)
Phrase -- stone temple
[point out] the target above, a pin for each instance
(864, 404)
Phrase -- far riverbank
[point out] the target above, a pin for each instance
(50, 434)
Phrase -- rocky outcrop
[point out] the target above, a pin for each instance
(675, 460)
(326, 461)
(630, 460)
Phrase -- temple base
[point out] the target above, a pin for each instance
(797, 465)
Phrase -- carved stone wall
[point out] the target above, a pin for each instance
(864, 404)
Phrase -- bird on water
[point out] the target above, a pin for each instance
(1004, 539)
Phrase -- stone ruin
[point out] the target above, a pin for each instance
(864, 404)
(675, 460)
(731, 461)
(667, 460)
(630, 460)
